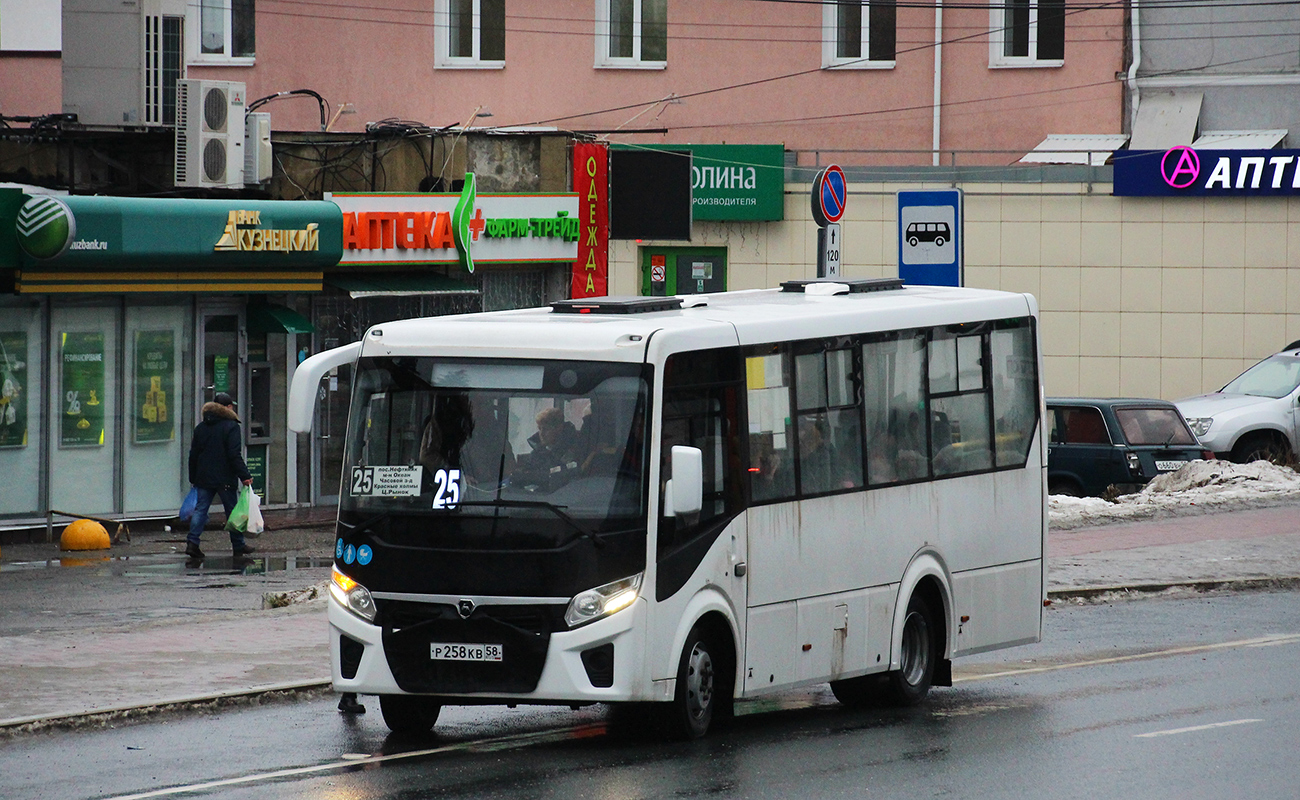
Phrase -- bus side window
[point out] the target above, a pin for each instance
(771, 434)
(1015, 391)
(829, 429)
(960, 438)
(893, 375)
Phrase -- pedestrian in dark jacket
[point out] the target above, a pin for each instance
(216, 469)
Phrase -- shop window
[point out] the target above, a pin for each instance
(470, 34)
(632, 34)
(227, 30)
(1027, 33)
(857, 34)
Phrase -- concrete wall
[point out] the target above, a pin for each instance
(1140, 296)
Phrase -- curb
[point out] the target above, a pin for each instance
(170, 704)
(1237, 584)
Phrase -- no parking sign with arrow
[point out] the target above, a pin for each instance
(830, 194)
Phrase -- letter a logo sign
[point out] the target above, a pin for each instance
(1180, 166)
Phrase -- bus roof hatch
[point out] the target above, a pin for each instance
(855, 286)
(616, 305)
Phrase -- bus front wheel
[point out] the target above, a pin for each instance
(699, 684)
(411, 715)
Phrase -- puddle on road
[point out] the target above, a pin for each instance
(176, 564)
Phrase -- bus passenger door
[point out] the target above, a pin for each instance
(701, 398)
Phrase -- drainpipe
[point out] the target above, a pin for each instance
(1134, 24)
(938, 76)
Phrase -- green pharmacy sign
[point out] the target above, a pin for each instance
(81, 418)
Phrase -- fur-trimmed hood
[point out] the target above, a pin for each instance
(215, 412)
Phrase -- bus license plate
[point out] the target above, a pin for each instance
(1170, 466)
(465, 652)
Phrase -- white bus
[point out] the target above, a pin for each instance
(685, 500)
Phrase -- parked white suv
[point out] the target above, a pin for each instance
(1255, 416)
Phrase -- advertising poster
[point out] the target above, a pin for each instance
(591, 182)
(81, 389)
(155, 386)
(13, 389)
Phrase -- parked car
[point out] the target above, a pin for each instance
(1255, 415)
(1095, 443)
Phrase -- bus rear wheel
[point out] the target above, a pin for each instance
(411, 715)
(909, 685)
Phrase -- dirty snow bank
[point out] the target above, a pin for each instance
(1201, 487)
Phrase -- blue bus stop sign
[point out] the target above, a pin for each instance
(930, 237)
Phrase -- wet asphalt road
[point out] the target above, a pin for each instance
(1177, 697)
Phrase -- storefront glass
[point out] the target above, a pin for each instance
(21, 420)
(84, 358)
(154, 458)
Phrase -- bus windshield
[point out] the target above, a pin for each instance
(554, 449)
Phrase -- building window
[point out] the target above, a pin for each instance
(859, 34)
(227, 30)
(470, 34)
(1027, 33)
(632, 34)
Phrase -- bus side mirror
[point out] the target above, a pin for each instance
(302, 392)
(684, 493)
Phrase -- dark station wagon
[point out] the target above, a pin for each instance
(1095, 443)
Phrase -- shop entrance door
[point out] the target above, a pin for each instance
(683, 270)
(222, 353)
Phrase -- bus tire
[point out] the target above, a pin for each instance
(411, 715)
(699, 684)
(918, 654)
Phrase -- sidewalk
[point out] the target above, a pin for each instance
(140, 630)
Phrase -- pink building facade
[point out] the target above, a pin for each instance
(871, 83)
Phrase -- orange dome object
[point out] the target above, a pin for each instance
(84, 534)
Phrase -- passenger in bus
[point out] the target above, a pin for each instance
(600, 452)
(820, 469)
(770, 476)
(554, 456)
(488, 457)
(446, 430)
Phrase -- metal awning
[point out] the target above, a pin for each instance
(1166, 119)
(1092, 149)
(399, 284)
(275, 318)
(1240, 140)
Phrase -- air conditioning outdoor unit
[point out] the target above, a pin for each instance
(210, 134)
(257, 148)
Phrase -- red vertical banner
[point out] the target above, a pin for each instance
(591, 182)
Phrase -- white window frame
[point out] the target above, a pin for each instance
(830, 41)
(193, 36)
(603, 59)
(442, 57)
(997, 40)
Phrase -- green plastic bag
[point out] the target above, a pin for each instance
(238, 519)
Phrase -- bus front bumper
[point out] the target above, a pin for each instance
(566, 677)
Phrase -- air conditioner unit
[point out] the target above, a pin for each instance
(257, 148)
(210, 134)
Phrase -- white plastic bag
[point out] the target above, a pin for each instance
(255, 523)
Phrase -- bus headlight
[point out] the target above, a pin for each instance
(1200, 425)
(352, 595)
(602, 601)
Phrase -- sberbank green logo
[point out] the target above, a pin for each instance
(46, 227)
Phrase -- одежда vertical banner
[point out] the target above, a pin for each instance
(591, 182)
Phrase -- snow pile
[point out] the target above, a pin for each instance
(1200, 487)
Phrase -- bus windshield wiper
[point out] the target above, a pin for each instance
(365, 523)
(553, 508)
